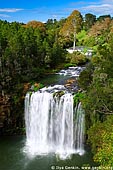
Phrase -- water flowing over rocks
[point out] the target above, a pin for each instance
(53, 124)
(71, 71)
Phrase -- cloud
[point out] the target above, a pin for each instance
(4, 16)
(54, 16)
(107, 1)
(10, 9)
(99, 9)
(51, 13)
(77, 3)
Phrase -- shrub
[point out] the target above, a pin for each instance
(77, 58)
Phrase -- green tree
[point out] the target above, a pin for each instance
(81, 37)
(90, 19)
(101, 142)
(57, 55)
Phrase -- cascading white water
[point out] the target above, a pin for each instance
(61, 124)
(50, 124)
(79, 127)
(36, 116)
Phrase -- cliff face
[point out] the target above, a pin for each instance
(12, 111)
(4, 110)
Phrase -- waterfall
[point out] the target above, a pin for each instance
(79, 127)
(53, 124)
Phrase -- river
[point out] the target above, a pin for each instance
(13, 155)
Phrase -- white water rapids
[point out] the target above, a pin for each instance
(53, 124)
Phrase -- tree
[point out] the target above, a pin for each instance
(56, 55)
(101, 27)
(98, 88)
(81, 37)
(74, 21)
(103, 17)
(101, 142)
(35, 24)
(90, 20)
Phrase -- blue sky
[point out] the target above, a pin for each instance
(42, 10)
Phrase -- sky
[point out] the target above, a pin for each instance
(42, 10)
